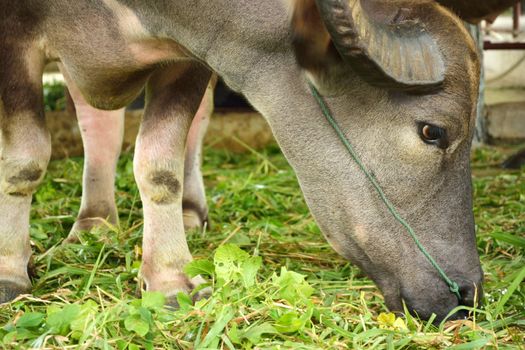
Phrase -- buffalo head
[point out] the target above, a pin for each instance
(401, 78)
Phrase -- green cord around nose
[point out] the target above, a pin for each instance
(454, 288)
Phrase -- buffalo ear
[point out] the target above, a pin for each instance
(387, 42)
(473, 11)
(312, 43)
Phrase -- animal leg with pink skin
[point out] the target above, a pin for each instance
(173, 97)
(194, 204)
(102, 134)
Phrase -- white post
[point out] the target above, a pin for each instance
(480, 134)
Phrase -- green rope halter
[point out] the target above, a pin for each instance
(454, 288)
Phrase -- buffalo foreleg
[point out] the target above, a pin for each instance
(25, 149)
(173, 97)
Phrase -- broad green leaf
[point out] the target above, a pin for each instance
(145, 314)
(234, 264)
(199, 267)
(153, 300)
(292, 287)
(60, 321)
(254, 333)
(289, 322)
(229, 253)
(227, 262)
(20, 334)
(241, 239)
(87, 313)
(249, 270)
(30, 320)
(134, 323)
(9, 337)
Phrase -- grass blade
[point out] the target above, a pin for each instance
(512, 288)
(518, 242)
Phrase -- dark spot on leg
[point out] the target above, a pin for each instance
(167, 179)
(24, 181)
(31, 173)
(18, 194)
(168, 187)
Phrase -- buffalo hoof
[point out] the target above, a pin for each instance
(10, 290)
(194, 219)
(172, 302)
(85, 225)
(182, 284)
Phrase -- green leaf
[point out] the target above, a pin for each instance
(229, 253)
(87, 314)
(289, 322)
(153, 300)
(227, 262)
(135, 323)
(255, 333)
(145, 314)
(19, 335)
(249, 270)
(241, 239)
(199, 267)
(232, 264)
(9, 337)
(60, 321)
(30, 320)
(292, 287)
(184, 300)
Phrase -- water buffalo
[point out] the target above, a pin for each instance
(400, 77)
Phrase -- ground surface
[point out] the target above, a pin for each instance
(286, 289)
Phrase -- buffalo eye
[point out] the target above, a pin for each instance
(433, 135)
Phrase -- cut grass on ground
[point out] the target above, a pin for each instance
(286, 288)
